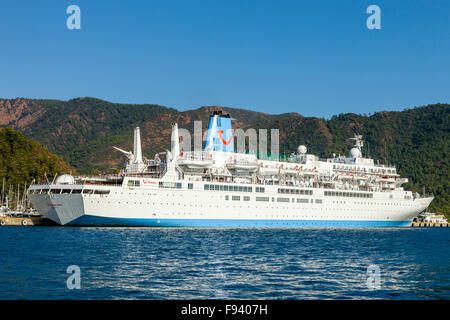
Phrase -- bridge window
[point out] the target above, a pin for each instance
(134, 183)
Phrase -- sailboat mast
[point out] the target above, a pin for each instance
(3, 192)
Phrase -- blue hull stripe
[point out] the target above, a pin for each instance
(89, 220)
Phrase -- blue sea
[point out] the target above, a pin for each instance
(175, 263)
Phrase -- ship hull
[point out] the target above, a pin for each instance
(212, 209)
(91, 220)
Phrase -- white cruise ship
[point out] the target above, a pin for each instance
(217, 187)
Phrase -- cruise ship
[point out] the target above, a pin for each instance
(217, 187)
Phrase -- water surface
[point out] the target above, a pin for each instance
(176, 263)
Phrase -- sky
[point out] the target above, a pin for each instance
(317, 58)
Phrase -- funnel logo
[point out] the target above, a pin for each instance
(220, 132)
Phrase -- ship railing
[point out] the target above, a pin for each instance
(196, 155)
(417, 195)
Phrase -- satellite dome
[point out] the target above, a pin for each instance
(355, 153)
(65, 179)
(302, 149)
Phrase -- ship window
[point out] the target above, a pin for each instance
(216, 187)
(265, 199)
(225, 188)
(259, 189)
(190, 186)
(282, 199)
(66, 191)
(136, 183)
(101, 192)
(221, 187)
(170, 185)
(300, 200)
(318, 200)
(206, 186)
(88, 191)
(227, 197)
(246, 198)
(55, 191)
(235, 188)
(241, 188)
(236, 198)
(76, 191)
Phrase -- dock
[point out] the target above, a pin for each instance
(25, 221)
(430, 224)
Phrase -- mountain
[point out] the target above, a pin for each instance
(23, 160)
(82, 131)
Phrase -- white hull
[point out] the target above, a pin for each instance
(149, 205)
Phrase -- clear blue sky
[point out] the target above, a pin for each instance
(313, 57)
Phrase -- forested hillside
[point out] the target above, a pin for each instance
(23, 160)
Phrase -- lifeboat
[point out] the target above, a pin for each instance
(288, 170)
(195, 164)
(242, 168)
(385, 179)
(268, 171)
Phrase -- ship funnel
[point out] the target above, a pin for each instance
(137, 146)
(219, 136)
(175, 142)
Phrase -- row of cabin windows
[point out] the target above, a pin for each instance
(69, 191)
(170, 185)
(216, 187)
(372, 170)
(348, 194)
(267, 199)
(295, 191)
(89, 191)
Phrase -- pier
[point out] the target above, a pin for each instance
(416, 224)
(25, 221)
